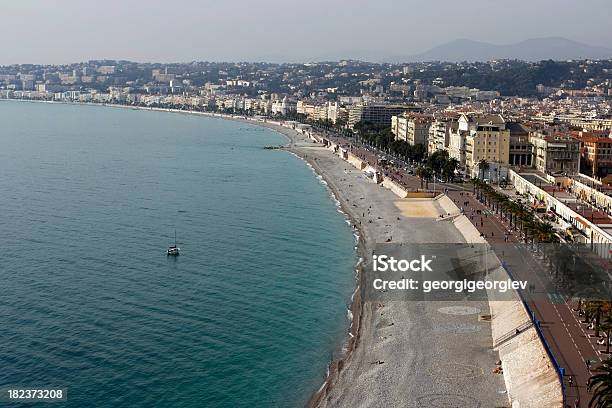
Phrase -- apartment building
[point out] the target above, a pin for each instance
(487, 139)
(283, 106)
(596, 153)
(378, 114)
(439, 133)
(457, 144)
(336, 112)
(555, 153)
(521, 150)
(411, 127)
(332, 111)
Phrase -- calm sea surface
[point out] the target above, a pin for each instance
(247, 316)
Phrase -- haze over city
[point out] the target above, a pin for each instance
(322, 204)
(280, 31)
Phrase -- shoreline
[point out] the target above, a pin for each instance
(356, 306)
(363, 244)
(351, 380)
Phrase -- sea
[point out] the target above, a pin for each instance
(250, 313)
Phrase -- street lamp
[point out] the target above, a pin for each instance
(434, 175)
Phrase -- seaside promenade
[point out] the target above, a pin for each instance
(408, 353)
(569, 340)
(560, 324)
(532, 377)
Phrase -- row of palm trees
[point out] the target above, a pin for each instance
(599, 313)
(425, 174)
(600, 385)
(560, 258)
(517, 214)
(438, 164)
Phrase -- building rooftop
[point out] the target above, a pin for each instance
(517, 128)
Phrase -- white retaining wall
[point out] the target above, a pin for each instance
(531, 378)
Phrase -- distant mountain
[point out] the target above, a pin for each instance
(534, 49)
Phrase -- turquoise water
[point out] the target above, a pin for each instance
(247, 316)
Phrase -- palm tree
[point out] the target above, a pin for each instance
(522, 216)
(504, 205)
(427, 173)
(592, 310)
(598, 319)
(512, 208)
(483, 166)
(580, 305)
(474, 184)
(449, 168)
(498, 200)
(588, 311)
(606, 326)
(546, 233)
(601, 386)
(530, 228)
(420, 172)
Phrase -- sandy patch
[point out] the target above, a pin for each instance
(417, 208)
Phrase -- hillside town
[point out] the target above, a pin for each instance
(552, 141)
(548, 133)
(524, 149)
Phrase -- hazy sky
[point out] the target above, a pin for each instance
(59, 31)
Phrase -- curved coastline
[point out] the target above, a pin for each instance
(348, 344)
(363, 243)
(356, 306)
(347, 370)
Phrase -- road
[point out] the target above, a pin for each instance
(567, 337)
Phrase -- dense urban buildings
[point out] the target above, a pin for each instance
(557, 119)
(535, 137)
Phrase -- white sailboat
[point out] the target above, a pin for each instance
(173, 250)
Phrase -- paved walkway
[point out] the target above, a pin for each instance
(409, 353)
(560, 325)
